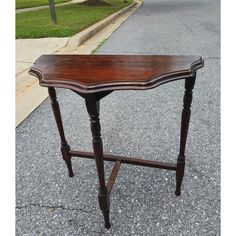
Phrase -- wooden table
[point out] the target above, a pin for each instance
(94, 77)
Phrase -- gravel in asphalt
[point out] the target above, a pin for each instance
(136, 123)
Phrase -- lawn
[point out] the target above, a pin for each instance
(35, 3)
(71, 19)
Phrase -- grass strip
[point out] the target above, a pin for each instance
(71, 19)
(20, 4)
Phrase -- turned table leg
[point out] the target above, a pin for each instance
(92, 105)
(186, 112)
(65, 148)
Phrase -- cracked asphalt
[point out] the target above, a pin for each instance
(135, 123)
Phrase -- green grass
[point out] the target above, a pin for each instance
(35, 3)
(71, 20)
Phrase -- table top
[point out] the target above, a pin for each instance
(95, 73)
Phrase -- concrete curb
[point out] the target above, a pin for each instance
(76, 40)
(31, 95)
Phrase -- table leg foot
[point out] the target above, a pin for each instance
(107, 223)
(104, 204)
(69, 167)
(178, 186)
(179, 174)
(65, 148)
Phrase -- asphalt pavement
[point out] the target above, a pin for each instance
(135, 123)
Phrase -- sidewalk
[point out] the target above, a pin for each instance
(28, 93)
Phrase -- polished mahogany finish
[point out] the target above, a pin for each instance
(113, 176)
(96, 73)
(65, 148)
(96, 76)
(127, 160)
(92, 105)
(189, 84)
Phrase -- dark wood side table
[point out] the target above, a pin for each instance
(94, 77)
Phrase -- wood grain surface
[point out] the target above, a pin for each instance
(96, 73)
